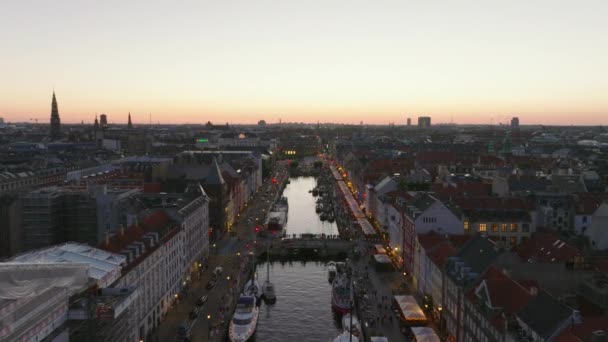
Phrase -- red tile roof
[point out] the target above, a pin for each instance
(487, 202)
(546, 247)
(587, 203)
(151, 223)
(504, 293)
(466, 189)
(440, 253)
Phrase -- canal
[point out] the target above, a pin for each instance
(302, 311)
(302, 216)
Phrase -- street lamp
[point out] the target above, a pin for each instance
(209, 316)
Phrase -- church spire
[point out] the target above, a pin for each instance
(130, 125)
(55, 121)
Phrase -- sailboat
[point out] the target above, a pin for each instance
(268, 288)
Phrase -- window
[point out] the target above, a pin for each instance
(525, 228)
(466, 225)
(482, 227)
(495, 227)
(504, 227)
(584, 219)
(514, 227)
(513, 241)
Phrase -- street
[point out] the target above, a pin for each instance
(230, 253)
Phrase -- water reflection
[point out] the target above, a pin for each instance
(302, 215)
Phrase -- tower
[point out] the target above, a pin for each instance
(103, 121)
(515, 125)
(130, 125)
(55, 121)
(424, 122)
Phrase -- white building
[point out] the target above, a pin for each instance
(598, 231)
(194, 217)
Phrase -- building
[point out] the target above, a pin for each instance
(36, 309)
(491, 305)
(409, 122)
(153, 266)
(423, 214)
(461, 274)
(10, 225)
(431, 252)
(515, 125)
(103, 121)
(55, 133)
(424, 122)
(506, 227)
(83, 214)
(96, 306)
(596, 233)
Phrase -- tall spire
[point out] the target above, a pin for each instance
(96, 124)
(55, 121)
(130, 125)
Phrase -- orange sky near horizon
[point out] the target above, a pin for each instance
(239, 61)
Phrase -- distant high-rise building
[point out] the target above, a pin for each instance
(130, 124)
(515, 124)
(103, 121)
(409, 122)
(424, 122)
(55, 121)
(1, 121)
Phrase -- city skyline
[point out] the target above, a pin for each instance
(351, 62)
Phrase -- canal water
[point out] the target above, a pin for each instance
(302, 311)
(302, 216)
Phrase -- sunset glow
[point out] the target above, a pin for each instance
(341, 61)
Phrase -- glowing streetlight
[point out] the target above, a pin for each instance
(209, 316)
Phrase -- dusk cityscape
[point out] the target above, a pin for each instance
(324, 171)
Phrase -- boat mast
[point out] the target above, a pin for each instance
(268, 263)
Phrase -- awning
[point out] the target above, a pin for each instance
(382, 259)
(378, 339)
(410, 310)
(335, 173)
(366, 227)
(424, 334)
(379, 249)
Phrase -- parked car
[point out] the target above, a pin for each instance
(211, 284)
(193, 314)
(201, 301)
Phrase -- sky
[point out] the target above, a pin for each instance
(239, 61)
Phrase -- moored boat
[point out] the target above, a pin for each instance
(351, 324)
(346, 337)
(331, 270)
(341, 293)
(244, 320)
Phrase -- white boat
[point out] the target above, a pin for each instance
(252, 288)
(346, 337)
(331, 270)
(244, 320)
(349, 321)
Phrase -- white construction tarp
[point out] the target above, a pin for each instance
(424, 334)
(20, 280)
(410, 309)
